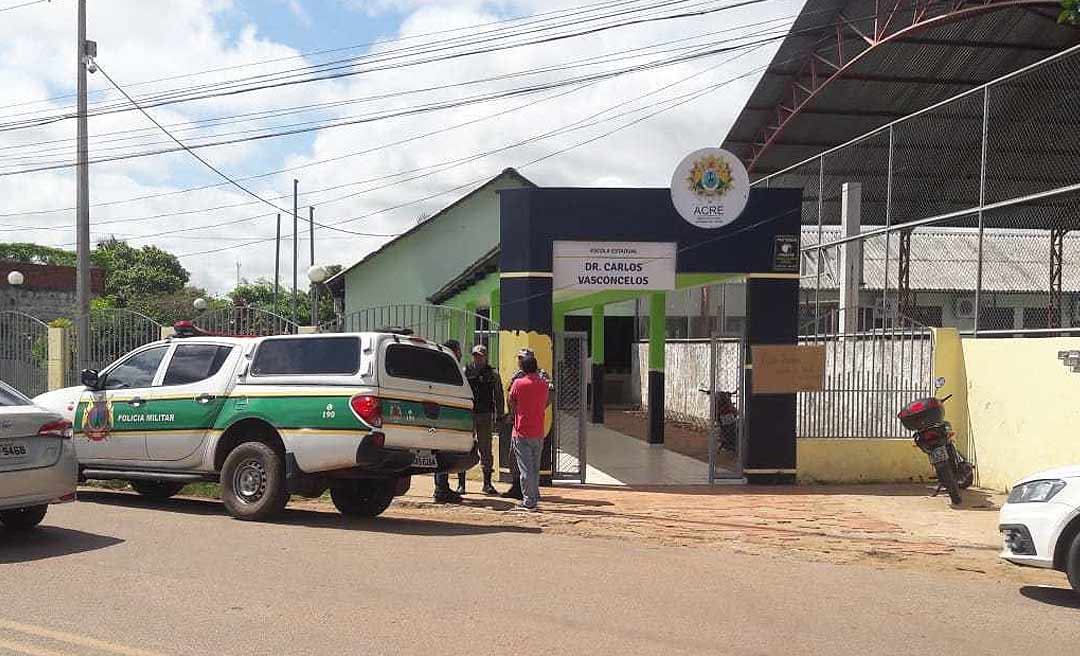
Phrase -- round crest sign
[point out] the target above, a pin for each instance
(710, 188)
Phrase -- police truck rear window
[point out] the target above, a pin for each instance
(427, 365)
(307, 356)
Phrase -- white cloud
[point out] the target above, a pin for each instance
(141, 40)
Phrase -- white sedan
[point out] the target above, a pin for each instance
(1040, 522)
(37, 460)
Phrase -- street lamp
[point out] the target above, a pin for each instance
(200, 304)
(16, 280)
(317, 274)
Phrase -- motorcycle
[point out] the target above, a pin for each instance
(727, 418)
(935, 437)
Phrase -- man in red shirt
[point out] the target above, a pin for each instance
(528, 402)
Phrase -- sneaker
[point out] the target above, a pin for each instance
(490, 490)
(461, 489)
(512, 493)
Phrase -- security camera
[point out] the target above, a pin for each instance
(91, 65)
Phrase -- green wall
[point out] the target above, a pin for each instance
(419, 264)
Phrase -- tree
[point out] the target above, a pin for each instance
(1070, 12)
(36, 254)
(260, 294)
(132, 274)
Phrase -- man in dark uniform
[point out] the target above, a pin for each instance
(443, 493)
(515, 489)
(488, 408)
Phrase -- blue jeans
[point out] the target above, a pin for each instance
(528, 458)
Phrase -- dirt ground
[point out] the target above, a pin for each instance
(883, 526)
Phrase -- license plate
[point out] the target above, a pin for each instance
(939, 454)
(13, 449)
(425, 459)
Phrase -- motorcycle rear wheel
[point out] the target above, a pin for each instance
(948, 481)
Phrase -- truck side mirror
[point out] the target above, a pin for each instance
(91, 379)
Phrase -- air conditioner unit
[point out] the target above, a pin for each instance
(885, 308)
(964, 307)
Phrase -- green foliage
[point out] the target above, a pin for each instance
(1070, 12)
(61, 322)
(36, 254)
(132, 273)
(260, 294)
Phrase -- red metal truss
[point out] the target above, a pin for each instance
(836, 54)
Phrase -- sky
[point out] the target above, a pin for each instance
(424, 118)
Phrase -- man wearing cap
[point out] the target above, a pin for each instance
(515, 476)
(487, 407)
(443, 493)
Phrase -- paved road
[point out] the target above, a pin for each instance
(114, 575)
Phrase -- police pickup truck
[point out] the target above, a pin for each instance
(355, 413)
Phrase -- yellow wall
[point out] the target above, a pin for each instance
(847, 460)
(1024, 407)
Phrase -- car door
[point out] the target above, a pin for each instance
(111, 421)
(183, 408)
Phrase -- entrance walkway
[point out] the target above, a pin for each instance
(617, 459)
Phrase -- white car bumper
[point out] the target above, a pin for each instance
(1031, 530)
(42, 485)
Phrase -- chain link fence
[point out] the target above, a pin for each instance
(970, 213)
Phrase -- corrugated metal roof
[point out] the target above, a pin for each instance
(891, 80)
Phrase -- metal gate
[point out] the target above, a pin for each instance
(24, 347)
(727, 403)
(245, 321)
(438, 323)
(112, 332)
(570, 407)
(869, 376)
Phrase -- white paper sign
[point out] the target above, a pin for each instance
(597, 265)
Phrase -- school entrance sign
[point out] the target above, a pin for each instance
(710, 187)
(599, 265)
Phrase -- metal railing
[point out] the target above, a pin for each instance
(970, 210)
(438, 323)
(247, 321)
(113, 332)
(869, 376)
(24, 344)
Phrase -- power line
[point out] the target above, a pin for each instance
(307, 54)
(279, 82)
(23, 4)
(193, 153)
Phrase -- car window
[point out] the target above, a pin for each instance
(191, 363)
(136, 371)
(9, 397)
(307, 356)
(418, 363)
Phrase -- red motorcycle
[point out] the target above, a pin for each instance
(935, 437)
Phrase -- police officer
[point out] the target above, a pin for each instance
(443, 493)
(488, 407)
(515, 489)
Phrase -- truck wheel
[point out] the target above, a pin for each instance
(363, 498)
(1072, 564)
(157, 490)
(253, 482)
(948, 481)
(22, 519)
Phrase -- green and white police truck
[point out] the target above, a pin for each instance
(355, 413)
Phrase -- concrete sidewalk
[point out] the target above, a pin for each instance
(885, 526)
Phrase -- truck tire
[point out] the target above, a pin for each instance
(363, 498)
(253, 482)
(1072, 563)
(948, 481)
(157, 490)
(22, 519)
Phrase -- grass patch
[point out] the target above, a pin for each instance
(202, 489)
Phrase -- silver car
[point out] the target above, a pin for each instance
(37, 460)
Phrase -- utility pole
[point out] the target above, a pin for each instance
(82, 199)
(295, 247)
(238, 273)
(277, 264)
(314, 285)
